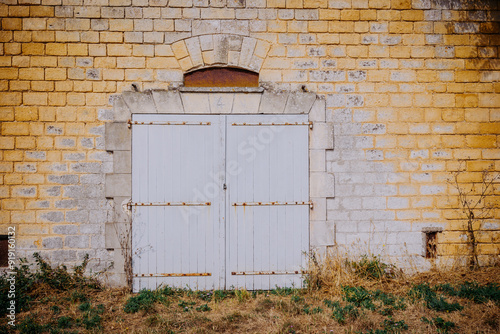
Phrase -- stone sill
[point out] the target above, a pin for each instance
(221, 89)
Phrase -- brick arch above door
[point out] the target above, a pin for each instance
(220, 50)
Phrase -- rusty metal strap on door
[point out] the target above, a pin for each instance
(168, 123)
(268, 272)
(168, 204)
(310, 124)
(272, 203)
(172, 275)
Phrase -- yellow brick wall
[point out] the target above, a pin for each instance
(420, 81)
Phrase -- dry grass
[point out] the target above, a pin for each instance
(277, 311)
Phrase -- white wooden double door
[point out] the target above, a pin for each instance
(219, 201)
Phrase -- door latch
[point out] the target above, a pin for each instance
(224, 186)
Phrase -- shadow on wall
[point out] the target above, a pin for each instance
(464, 4)
(479, 18)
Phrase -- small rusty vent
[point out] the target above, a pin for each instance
(4, 251)
(431, 245)
(221, 77)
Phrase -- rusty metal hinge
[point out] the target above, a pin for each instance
(295, 272)
(168, 204)
(130, 123)
(172, 275)
(271, 203)
(273, 124)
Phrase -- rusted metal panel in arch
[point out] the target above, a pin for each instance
(221, 77)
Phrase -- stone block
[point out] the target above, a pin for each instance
(111, 238)
(445, 51)
(195, 103)
(86, 167)
(321, 136)
(63, 179)
(256, 63)
(194, 47)
(318, 111)
(221, 49)
(122, 162)
(317, 160)
(322, 233)
(65, 204)
(273, 102)
(121, 214)
(236, 3)
(116, 234)
(118, 185)
(168, 102)
(206, 42)
(327, 76)
(246, 103)
(117, 136)
(76, 241)
(299, 102)
(77, 216)
(319, 209)
(346, 227)
(140, 103)
(97, 241)
(63, 255)
(52, 243)
(53, 217)
(221, 103)
(91, 229)
(204, 27)
(374, 203)
(174, 75)
(321, 184)
(118, 261)
(171, 37)
(116, 280)
(247, 49)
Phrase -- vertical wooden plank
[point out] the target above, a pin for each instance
(177, 219)
(232, 188)
(250, 136)
(190, 140)
(291, 183)
(278, 193)
(204, 230)
(166, 261)
(239, 224)
(184, 172)
(139, 187)
(220, 215)
(302, 146)
(151, 195)
(136, 282)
